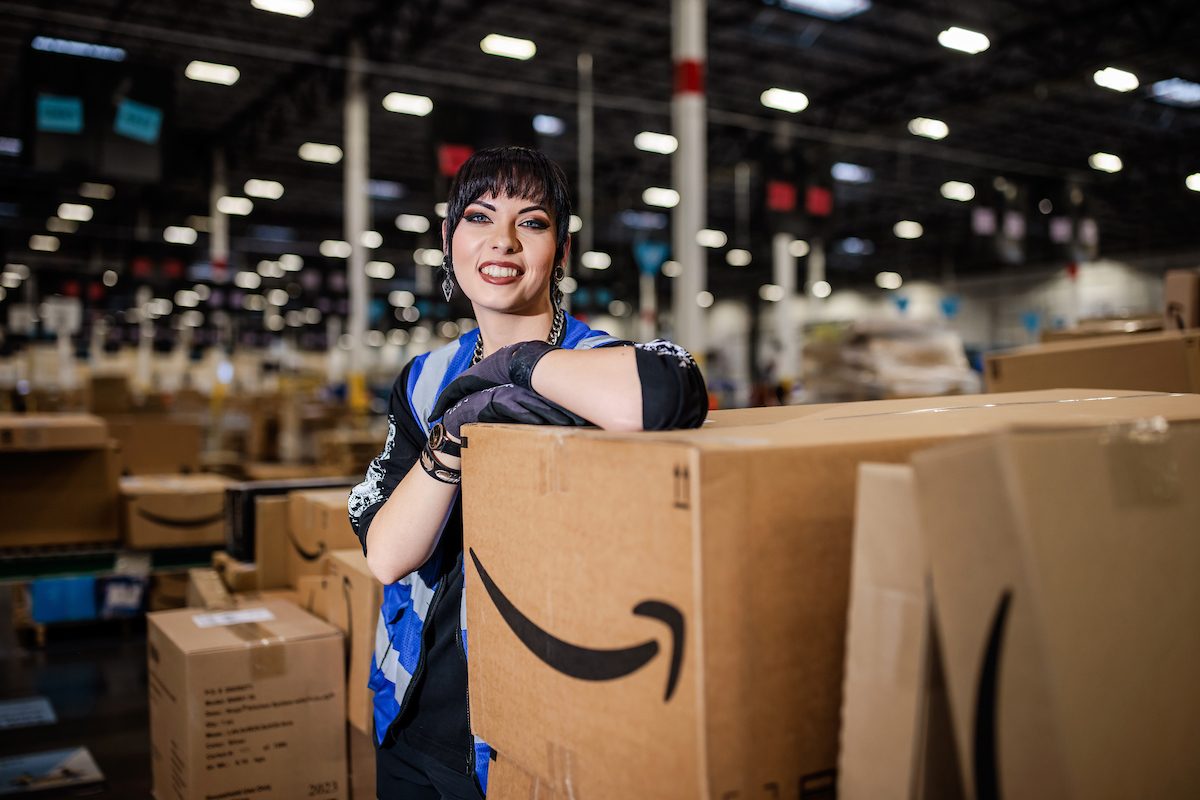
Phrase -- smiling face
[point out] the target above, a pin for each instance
(503, 251)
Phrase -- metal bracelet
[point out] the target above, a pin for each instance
(437, 470)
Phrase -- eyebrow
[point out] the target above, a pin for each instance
(491, 207)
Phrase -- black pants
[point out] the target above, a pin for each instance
(403, 773)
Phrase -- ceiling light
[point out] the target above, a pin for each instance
(574, 224)
(75, 211)
(834, 10)
(97, 191)
(1045, 206)
(548, 125)
(508, 47)
(58, 225)
(889, 280)
(202, 291)
(1193, 182)
(415, 104)
(619, 308)
(267, 190)
(45, 244)
(1116, 79)
(594, 259)
(385, 190)
(179, 234)
(380, 270)
(291, 262)
(1105, 162)
(271, 269)
(208, 72)
(704, 299)
(907, 229)
(821, 289)
(371, 239)
(20, 270)
(854, 246)
(321, 153)
(707, 237)
(568, 285)
(413, 223)
(929, 128)
(652, 142)
(335, 248)
(658, 196)
(187, 298)
(9, 281)
(278, 297)
(430, 257)
(957, 190)
(440, 209)
(412, 314)
(798, 248)
(236, 206)
(292, 8)
(784, 100)
(770, 292)
(48, 44)
(247, 280)
(1176, 92)
(109, 278)
(672, 269)
(738, 258)
(966, 41)
(10, 146)
(312, 316)
(851, 173)
(401, 298)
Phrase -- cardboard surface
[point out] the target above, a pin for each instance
(238, 576)
(361, 756)
(318, 523)
(1181, 295)
(1068, 616)
(207, 590)
(352, 601)
(246, 703)
(271, 540)
(155, 445)
(241, 505)
(173, 510)
(681, 596)
(19, 432)
(1159, 362)
(53, 497)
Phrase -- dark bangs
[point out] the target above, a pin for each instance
(512, 172)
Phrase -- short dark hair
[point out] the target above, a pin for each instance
(511, 172)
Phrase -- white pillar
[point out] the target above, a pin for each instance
(218, 223)
(143, 372)
(587, 152)
(647, 309)
(356, 222)
(816, 272)
(784, 265)
(688, 169)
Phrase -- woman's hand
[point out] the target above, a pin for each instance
(506, 403)
(513, 364)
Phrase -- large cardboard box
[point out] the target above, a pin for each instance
(1068, 615)
(246, 703)
(58, 481)
(352, 602)
(318, 523)
(1157, 362)
(156, 445)
(675, 603)
(1181, 293)
(173, 510)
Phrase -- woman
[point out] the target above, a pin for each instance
(505, 239)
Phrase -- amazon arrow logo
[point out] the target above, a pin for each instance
(181, 523)
(586, 663)
(986, 757)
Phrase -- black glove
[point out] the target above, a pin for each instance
(509, 365)
(507, 403)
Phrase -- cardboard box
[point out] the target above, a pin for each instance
(207, 590)
(257, 597)
(238, 576)
(246, 703)
(679, 598)
(241, 505)
(109, 394)
(271, 541)
(318, 523)
(1156, 362)
(168, 590)
(353, 597)
(173, 510)
(152, 445)
(1181, 293)
(1068, 615)
(21, 432)
(361, 757)
(275, 471)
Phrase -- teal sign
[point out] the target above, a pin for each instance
(57, 114)
(650, 255)
(138, 121)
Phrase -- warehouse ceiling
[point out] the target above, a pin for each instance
(1024, 116)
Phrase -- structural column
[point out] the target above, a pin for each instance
(218, 223)
(356, 224)
(784, 266)
(587, 170)
(688, 168)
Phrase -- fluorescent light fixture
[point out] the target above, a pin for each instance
(430, 257)
(278, 297)
(672, 269)
(380, 270)
(335, 248)
(247, 280)
(267, 190)
(312, 316)
(292, 8)
(1118, 80)
(784, 100)
(109, 278)
(321, 153)
(45, 244)
(574, 224)
(957, 190)
(798, 248)
(889, 280)
(1193, 181)
(643, 220)
(705, 299)
(963, 40)
(495, 44)
(385, 190)
(97, 191)
(833, 10)
(907, 229)
(69, 47)
(271, 269)
(417, 105)
(77, 212)
(236, 206)
(179, 234)
(371, 239)
(568, 285)
(738, 258)
(1105, 162)
(291, 262)
(1176, 92)
(851, 173)
(440, 209)
(401, 298)
(548, 125)
(10, 146)
(929, 128)
(854, 246)
(594, 259)
(59, 225)
(619, 308)
(652, 142)
(202, 291)
(9, 280)
(821, 289)
(412, 314)
(658, 196)
(187, 298)
(208, 72)
(707, 237)
(20, 270)
(413, 223)
(770, 292)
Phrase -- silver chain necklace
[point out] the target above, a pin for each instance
(555, 337)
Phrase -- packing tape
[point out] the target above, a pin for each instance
(267, 654)
(1143, 463)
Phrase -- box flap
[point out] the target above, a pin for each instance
(271, 622)
(52, 432)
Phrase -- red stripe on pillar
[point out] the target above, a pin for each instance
(689, 77)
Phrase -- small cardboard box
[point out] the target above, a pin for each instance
(207, 590)
(318, 523)
(246, 703)
(155, 445)
(353, 599)
(1154, 362)
(1181, 293)
(675, 602)
(173, 510)
(241, 504)
(21, 432)
(1064, 576)
(238, 576)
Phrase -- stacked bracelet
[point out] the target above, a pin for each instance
(436, 469)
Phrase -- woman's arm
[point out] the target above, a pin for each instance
(405, 530)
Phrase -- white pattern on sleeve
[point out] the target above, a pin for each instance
(665, 348)
(370, 491)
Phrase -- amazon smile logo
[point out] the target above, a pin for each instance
(587, 663)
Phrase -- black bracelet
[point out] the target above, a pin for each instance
(437, 470)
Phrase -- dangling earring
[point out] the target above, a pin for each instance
(556, 292)
(448, 280)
